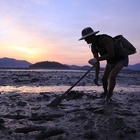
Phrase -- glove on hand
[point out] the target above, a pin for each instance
(92, 61)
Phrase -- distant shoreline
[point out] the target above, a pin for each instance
(21, 68)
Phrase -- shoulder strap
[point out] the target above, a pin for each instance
(100, 47)
(101, 40)
(102, 37)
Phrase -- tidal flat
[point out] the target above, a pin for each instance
(81, 115)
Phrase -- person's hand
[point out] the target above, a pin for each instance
(96, 81)
(92, 61)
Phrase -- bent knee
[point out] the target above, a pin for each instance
(104, 79)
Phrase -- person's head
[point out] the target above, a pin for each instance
(88, 35)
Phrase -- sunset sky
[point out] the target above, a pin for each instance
(41, 30)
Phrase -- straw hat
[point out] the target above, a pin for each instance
(87, 32)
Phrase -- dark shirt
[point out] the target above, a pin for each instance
(100, 48)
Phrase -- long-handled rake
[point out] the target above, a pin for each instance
(58, 99)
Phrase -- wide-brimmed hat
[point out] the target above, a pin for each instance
(87, 32)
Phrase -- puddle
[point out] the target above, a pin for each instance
(38, 89)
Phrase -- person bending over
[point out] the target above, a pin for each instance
(104, 47)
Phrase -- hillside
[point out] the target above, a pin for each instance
(13, 63)
(134, 67)
(48, 65)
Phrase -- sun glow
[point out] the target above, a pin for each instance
(31, 54)
(26, 50)
(28, 31)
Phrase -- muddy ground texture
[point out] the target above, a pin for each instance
(80, 116)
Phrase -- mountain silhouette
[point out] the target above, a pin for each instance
(49, 65)
(13, 63)
(134, 67)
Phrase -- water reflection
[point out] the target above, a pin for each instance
(38, 89)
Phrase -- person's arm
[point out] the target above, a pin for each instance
(108, 42)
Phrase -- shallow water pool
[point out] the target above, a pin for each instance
(58, 89)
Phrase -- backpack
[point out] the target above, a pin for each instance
(117, 46)
(99, 47)
(127, 47)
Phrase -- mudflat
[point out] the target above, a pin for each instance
(81, 115)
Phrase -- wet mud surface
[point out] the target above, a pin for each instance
(81, 115)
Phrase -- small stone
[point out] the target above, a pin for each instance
(2, 127)
(100, 111)
(34, 80)
(120, 133)
(133, 130)
(20, 103)
(48, 133)
(90, 135)
(1, 121)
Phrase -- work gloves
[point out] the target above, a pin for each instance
(93, 61)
